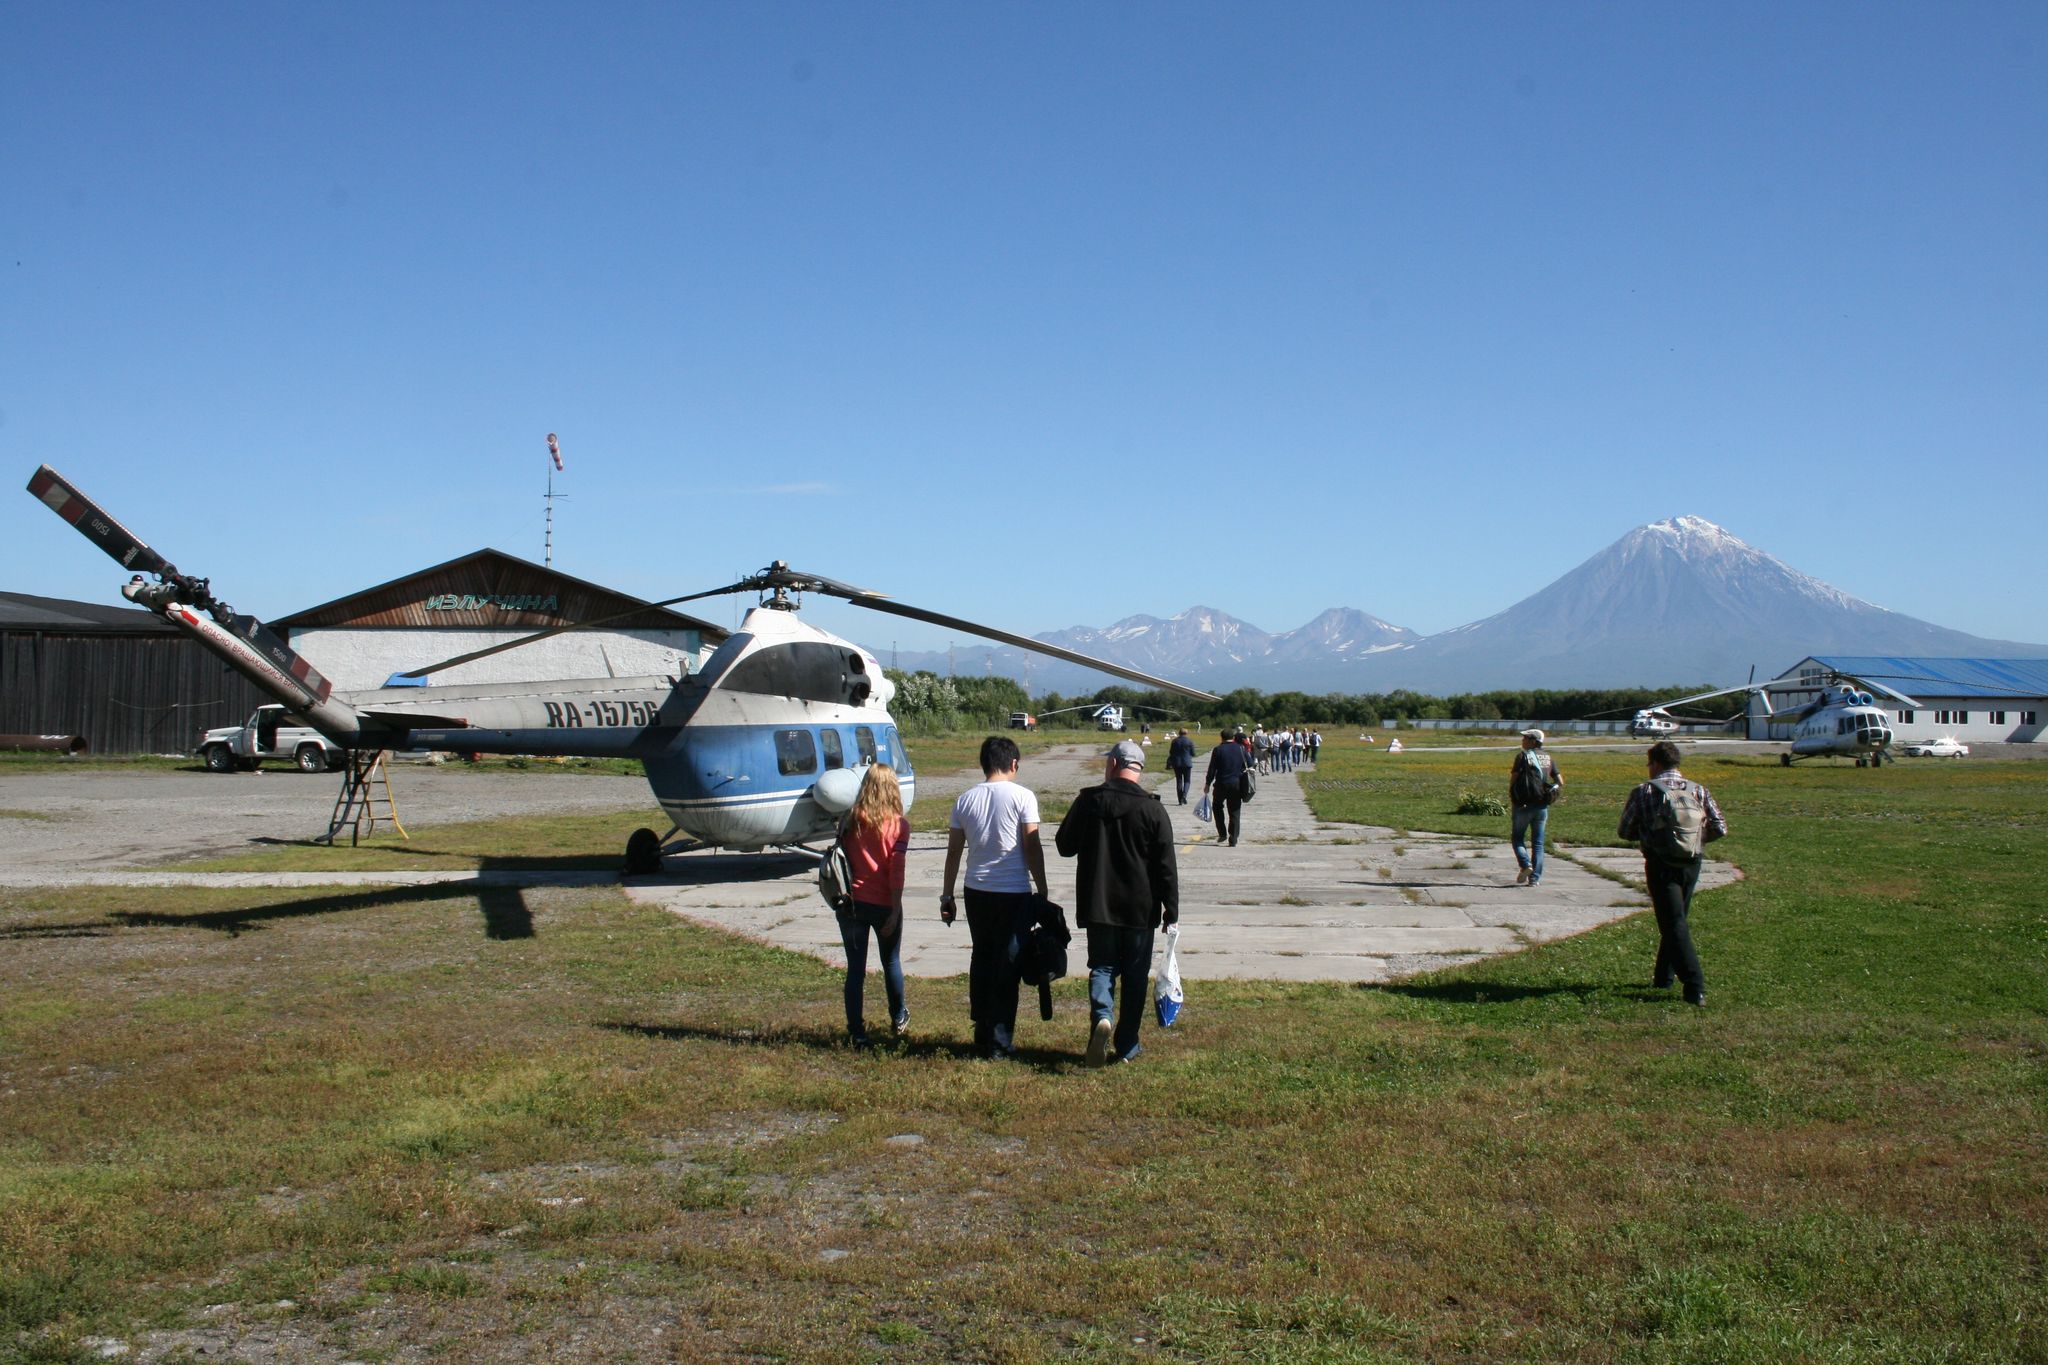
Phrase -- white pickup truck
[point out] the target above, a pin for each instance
(270, 732)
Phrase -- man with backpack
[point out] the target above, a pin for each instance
(1126, 885)
(1672, 818)
(1533, 784)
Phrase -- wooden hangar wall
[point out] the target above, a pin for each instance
(487, 598)
(118, 676)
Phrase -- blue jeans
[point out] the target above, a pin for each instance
(1531, 819)
(1118, 955)
(853, 936)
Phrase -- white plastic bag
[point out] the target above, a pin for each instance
(1202, 807)
(1166, 992)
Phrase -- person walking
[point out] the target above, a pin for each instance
(1315, 747)
(1533, 783)
(1180, 758)
(994, 826)
(1223, 783)
(1126, 885)
(1672, 818)
(876, 838)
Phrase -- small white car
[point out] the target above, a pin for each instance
(1945, 747)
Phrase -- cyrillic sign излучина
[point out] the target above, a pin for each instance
(460, 601)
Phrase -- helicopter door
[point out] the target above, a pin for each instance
(864, 740)
(835, 751)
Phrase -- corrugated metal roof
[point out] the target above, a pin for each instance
(1994, 678)
(57, 615)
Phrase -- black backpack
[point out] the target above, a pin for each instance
(1531, 784)
(1042, 957)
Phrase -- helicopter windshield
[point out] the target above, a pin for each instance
(812, 671)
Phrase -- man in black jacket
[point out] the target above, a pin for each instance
(1181, 758)
(1125, 887)
(1224, 785)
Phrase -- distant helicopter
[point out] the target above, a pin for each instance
(1111, 715)
(1845, 720)
(764, 747)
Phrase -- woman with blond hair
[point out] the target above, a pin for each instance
(877, 839)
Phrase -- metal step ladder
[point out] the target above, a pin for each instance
(365, 799)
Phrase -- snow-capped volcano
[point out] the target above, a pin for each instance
(1680, 600)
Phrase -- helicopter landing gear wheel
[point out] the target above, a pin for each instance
(1785, 760)
(643, 852)
(1862, 762)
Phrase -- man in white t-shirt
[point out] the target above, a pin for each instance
(995, 828)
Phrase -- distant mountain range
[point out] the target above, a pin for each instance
(1677, 601)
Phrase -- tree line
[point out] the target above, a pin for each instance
(926, 701)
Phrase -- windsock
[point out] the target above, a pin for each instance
(555, 450)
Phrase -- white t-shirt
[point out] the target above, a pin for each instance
(993, 816)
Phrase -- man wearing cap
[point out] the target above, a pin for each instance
(1126, 885)
(1533, 783)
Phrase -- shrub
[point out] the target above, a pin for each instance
(1472, 803)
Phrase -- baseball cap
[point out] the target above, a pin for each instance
(1126, 754)
(1536, 735)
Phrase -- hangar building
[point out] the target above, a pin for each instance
(489, 597)
(130, 683)
(122, 678)
(1978, 701)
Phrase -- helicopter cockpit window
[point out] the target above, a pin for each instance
(811, 671)
(835, 752)
(795, 752)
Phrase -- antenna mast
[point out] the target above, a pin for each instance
(547, 544)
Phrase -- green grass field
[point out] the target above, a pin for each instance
(550, 1124)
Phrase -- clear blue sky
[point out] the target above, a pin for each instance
(1012, 310)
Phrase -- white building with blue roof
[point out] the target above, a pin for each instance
(1978, 701)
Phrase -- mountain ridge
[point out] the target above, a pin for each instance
(1676, 598)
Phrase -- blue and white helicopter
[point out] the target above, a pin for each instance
(1840, 719)
(764, 747)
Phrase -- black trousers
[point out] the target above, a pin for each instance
(998, 922)
(1182, 777)
(1227, 801)
(1671, 888)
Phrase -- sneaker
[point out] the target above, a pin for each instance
(900, 1025)
(1522, 877)
(859, 1042)
(1003, 1045)
(1130, 1056)
(1098, 1042)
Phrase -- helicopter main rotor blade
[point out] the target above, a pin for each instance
(874, 602)
(553, 631)
(96, 524)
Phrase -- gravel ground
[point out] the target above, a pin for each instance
(103, 818)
